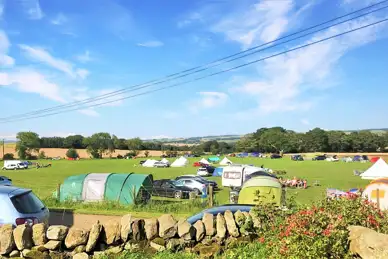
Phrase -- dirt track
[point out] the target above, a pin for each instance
(78, 220)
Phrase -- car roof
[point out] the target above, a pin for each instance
(7, 190)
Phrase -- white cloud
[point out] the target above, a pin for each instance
(263, 22)
(59, 19)
(8, 136)
(82, 73)
(89, 112)
(39, 54)
(84, 57)
(170, 115)
(31, 81)
(5, 60)
(286, 77)
(208, 100)
(151, 44)
(32, 9)
(192, 17)
(305, 122)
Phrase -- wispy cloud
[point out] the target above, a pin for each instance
(5, 60)
(305, 121)
(31, 81)
(89, 112)
(84, 57)
(59, 19)
(32, 9)
(41, 55)
(208, 100)
(2, 7)
(192, 17)
(151, 44)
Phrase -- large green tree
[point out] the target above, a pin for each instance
(99, 144)
(27, 142)
(134, 144)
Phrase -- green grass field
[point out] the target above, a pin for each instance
(330, 175)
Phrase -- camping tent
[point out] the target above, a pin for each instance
(376, 171)
(218, 171)
(124, 188)
(213, 159)
(164, 160)
(374, 159)
(262, 189)
(149, 163)
(204, 161)
(371, 192)
(225, 161)
(180, 162)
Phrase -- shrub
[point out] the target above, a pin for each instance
(119, 156)
(8, 156)
(42, 155)
(72, 153)
(131, 154)
(146, 153)
(321, 231)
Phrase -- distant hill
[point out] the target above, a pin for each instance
(197, 140)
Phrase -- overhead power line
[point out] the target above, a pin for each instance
(202, 68)
(213, 74)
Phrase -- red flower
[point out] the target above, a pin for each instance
(261, 240)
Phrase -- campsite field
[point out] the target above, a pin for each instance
(329, 174)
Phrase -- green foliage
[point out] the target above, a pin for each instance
(99, 144)
(321, 231)
(42, 155)
(8, 156)
(72, 153)
(134, 144)
(27, 142)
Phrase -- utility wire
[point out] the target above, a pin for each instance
(206, 66)
(213, 74)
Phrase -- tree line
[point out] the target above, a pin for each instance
(277, 139)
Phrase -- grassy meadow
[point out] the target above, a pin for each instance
(329, 174)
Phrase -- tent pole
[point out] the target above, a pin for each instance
(378, 198)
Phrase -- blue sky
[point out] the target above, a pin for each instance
(55, 52)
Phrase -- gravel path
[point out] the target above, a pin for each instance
(84, 221)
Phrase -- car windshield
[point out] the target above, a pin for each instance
(27, 203)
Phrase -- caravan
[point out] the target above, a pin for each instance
(234, 176)
(14, 165)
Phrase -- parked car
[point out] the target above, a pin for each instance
(167, 188)
(203, 172)
(161, 164)
(319, 158)
(20, 206)
(5, 181)
(220, 209)
(142, 162)
(199, 178)
(275, 156)
(199, 187)
(17, 166)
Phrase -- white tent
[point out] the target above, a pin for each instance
(149, 163)
(164, 160)
(376, 171)
(225, 161)
(204, 161)
(180, 162)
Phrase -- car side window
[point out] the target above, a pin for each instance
(1, 179)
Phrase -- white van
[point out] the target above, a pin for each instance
(14, 165)
(234, 175)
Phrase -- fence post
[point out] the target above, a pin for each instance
(210, 196)
(58, 192)
(378, 198)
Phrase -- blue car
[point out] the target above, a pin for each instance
(20, 206)
(220, 209)
(5, 181)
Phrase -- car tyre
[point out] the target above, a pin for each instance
(197, 191)
(178, 195)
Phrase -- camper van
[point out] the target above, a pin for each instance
(235, 175)
(14, 165)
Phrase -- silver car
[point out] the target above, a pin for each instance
(193, 184)
(5, 181)
(20, 206)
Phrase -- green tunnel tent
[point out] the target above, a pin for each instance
(124, 188)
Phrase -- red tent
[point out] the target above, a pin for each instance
(374, 159)
(197, 164)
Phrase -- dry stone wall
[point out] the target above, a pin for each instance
(206, 237)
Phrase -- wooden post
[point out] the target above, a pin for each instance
(378, 198)
(59, 192)
(210, 196)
